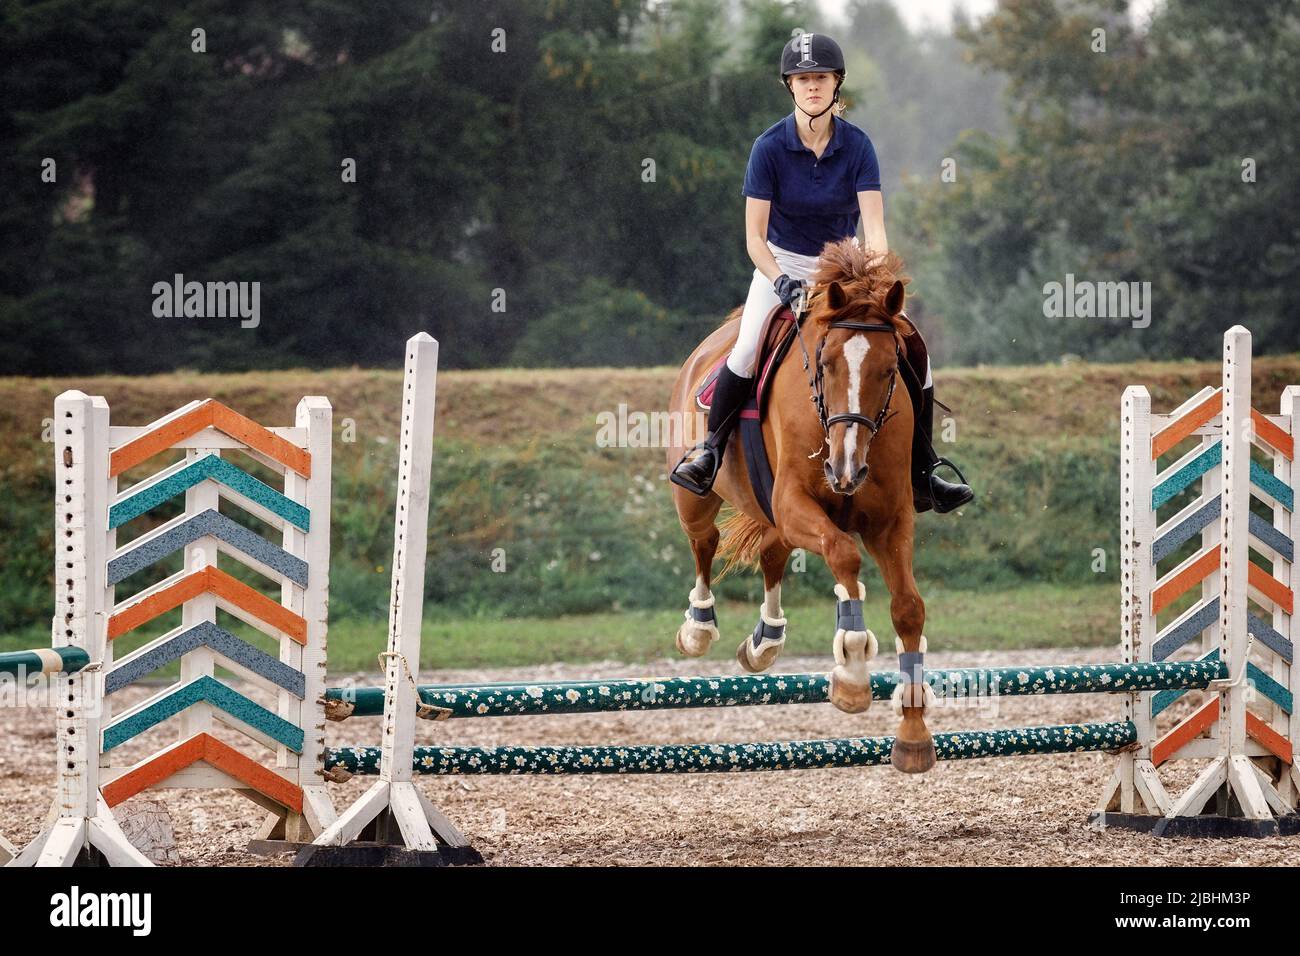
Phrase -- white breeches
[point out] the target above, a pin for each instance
(761, 300)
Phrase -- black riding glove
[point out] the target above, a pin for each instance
(786, 288)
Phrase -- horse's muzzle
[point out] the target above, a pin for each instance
(841, 484)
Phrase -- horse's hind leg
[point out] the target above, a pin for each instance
(697, 518)
(759, 650)
(892, 550)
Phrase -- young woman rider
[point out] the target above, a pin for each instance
(807, 184)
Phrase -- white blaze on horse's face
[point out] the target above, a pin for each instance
(856, 369)
(855, 357)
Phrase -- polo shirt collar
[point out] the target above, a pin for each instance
(792, 141)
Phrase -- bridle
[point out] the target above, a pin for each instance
(817, 371)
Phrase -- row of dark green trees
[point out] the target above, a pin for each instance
(557, 182)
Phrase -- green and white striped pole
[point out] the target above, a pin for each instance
(57, 660)
(738, 757)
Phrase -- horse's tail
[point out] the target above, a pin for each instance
(742, 538)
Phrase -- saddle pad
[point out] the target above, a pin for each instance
(779, 328)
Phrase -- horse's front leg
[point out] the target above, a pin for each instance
(804, 524)
(892, 550)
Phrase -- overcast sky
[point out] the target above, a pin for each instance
(937, 13)
(916, 13)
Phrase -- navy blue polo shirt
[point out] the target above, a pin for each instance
(814, 201)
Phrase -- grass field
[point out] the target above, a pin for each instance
(1034, 617)
(597, 567)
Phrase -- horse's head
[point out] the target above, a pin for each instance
(860, 347)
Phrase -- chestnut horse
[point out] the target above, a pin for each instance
(841, 466)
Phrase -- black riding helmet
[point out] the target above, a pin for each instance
(812, 53)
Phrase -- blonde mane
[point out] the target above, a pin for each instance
(865, 282)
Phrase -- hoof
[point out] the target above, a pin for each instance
(757, 663)
(695, 639)
(850, 681)
(913, 756)
(850, 688)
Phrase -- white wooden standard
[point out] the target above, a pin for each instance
(1134, 786)
(80, 820)
(316, 416)
(394, 800)
(1236, 781)
(1231, 772)
(315, 421)
(1289, 525)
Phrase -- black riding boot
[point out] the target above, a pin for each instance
(929, 490)
(730, 391)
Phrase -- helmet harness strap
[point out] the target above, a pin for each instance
(789, 85)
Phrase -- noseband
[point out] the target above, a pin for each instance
(817, 375)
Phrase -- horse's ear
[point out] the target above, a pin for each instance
(835, 297)
(894, 299)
